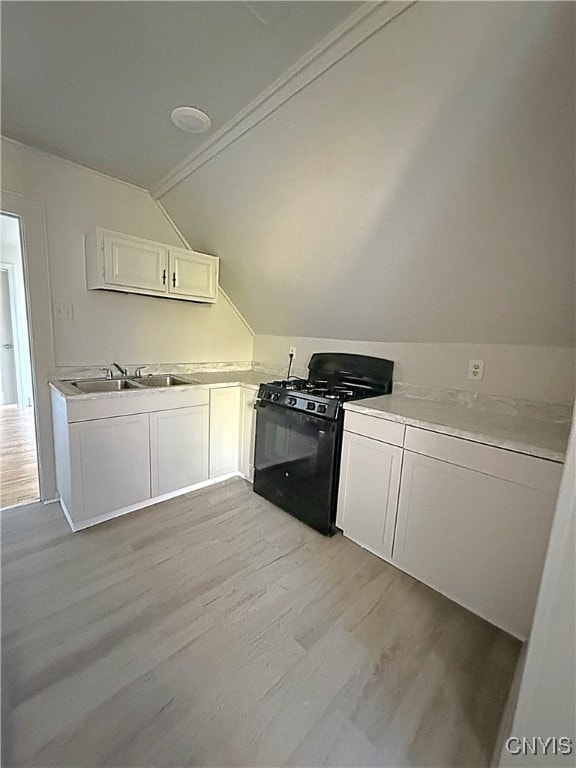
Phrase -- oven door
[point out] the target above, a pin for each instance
(296, 463)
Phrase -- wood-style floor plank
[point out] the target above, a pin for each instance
(18, 457)
(215, 629)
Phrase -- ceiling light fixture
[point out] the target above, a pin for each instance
(191, 119)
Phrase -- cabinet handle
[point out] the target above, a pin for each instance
(164, 277)
(174, 279)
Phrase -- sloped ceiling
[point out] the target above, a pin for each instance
(95, 82)
(421, 189)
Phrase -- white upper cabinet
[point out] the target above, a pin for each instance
(135, 265)
(193, 274)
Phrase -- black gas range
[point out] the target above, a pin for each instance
(299, 433)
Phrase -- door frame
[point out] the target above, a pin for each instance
(33, 243)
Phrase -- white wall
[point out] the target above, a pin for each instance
(114, 326)
(60, 203)
(546, 704)
(533, 373)
(419, 190)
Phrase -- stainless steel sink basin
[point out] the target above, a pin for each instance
(164, 380)
(104, 385)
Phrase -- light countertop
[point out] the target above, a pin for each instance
(546, 439)
(540, 437)
(248, 378)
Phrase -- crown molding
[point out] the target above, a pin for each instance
(362, 24)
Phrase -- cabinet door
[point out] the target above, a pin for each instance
(368, 494)
(178, 448)
(478, 539)
(224, 430)
(193, 275)
(134, 263)
(247, 425)
(110, 465)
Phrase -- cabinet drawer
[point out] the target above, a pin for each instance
(526, 470)
(135, 401)
(371, 426)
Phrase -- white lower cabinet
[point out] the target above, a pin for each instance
(247, 432)
(110, 465)
(479, 539)
(368, 495)
(470, 520)
(224, 430)
(178, 448)
(117, 454)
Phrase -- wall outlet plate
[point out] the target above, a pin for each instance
(476, 369)
(64, 311)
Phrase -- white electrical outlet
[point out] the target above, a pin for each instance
(292, 350)
(476, 369)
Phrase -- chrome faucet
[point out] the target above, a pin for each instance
(108, 372)
(123, 371)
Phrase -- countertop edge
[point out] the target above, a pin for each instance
(515, 446)
(65, 389)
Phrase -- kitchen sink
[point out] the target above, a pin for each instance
(104, 385)
(164, 380)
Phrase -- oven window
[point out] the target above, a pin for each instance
(296, 449)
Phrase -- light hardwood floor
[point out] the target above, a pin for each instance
(18, 459)
(216, 630)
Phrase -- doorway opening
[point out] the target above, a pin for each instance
(18, 450)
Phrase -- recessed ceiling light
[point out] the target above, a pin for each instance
(191, 119)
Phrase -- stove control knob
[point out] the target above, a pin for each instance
(321, 409)
(292, 401)
(268, 395)
(310, 406)
(275, 396)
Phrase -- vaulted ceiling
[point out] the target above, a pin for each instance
(389, 172)
(95, 82)
(420, 190)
